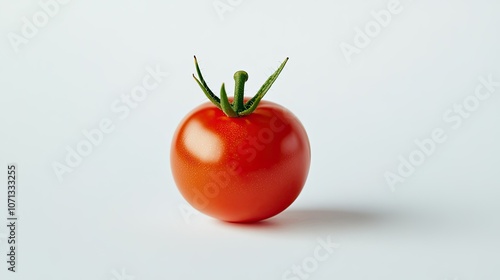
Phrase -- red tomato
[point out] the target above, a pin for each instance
(240, 160)
(241, 169)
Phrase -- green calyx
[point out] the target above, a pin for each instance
(238, 107)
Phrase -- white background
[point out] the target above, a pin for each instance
(118, 214)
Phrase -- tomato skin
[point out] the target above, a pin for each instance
(242, 169)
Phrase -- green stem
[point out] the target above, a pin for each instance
(224, 103)
(239, 108)
(240, 78)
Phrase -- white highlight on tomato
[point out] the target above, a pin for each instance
(202, 143)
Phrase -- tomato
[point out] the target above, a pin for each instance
(240, 169)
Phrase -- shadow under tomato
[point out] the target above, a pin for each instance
(316, 220)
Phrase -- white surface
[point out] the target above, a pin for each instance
(119, 216)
